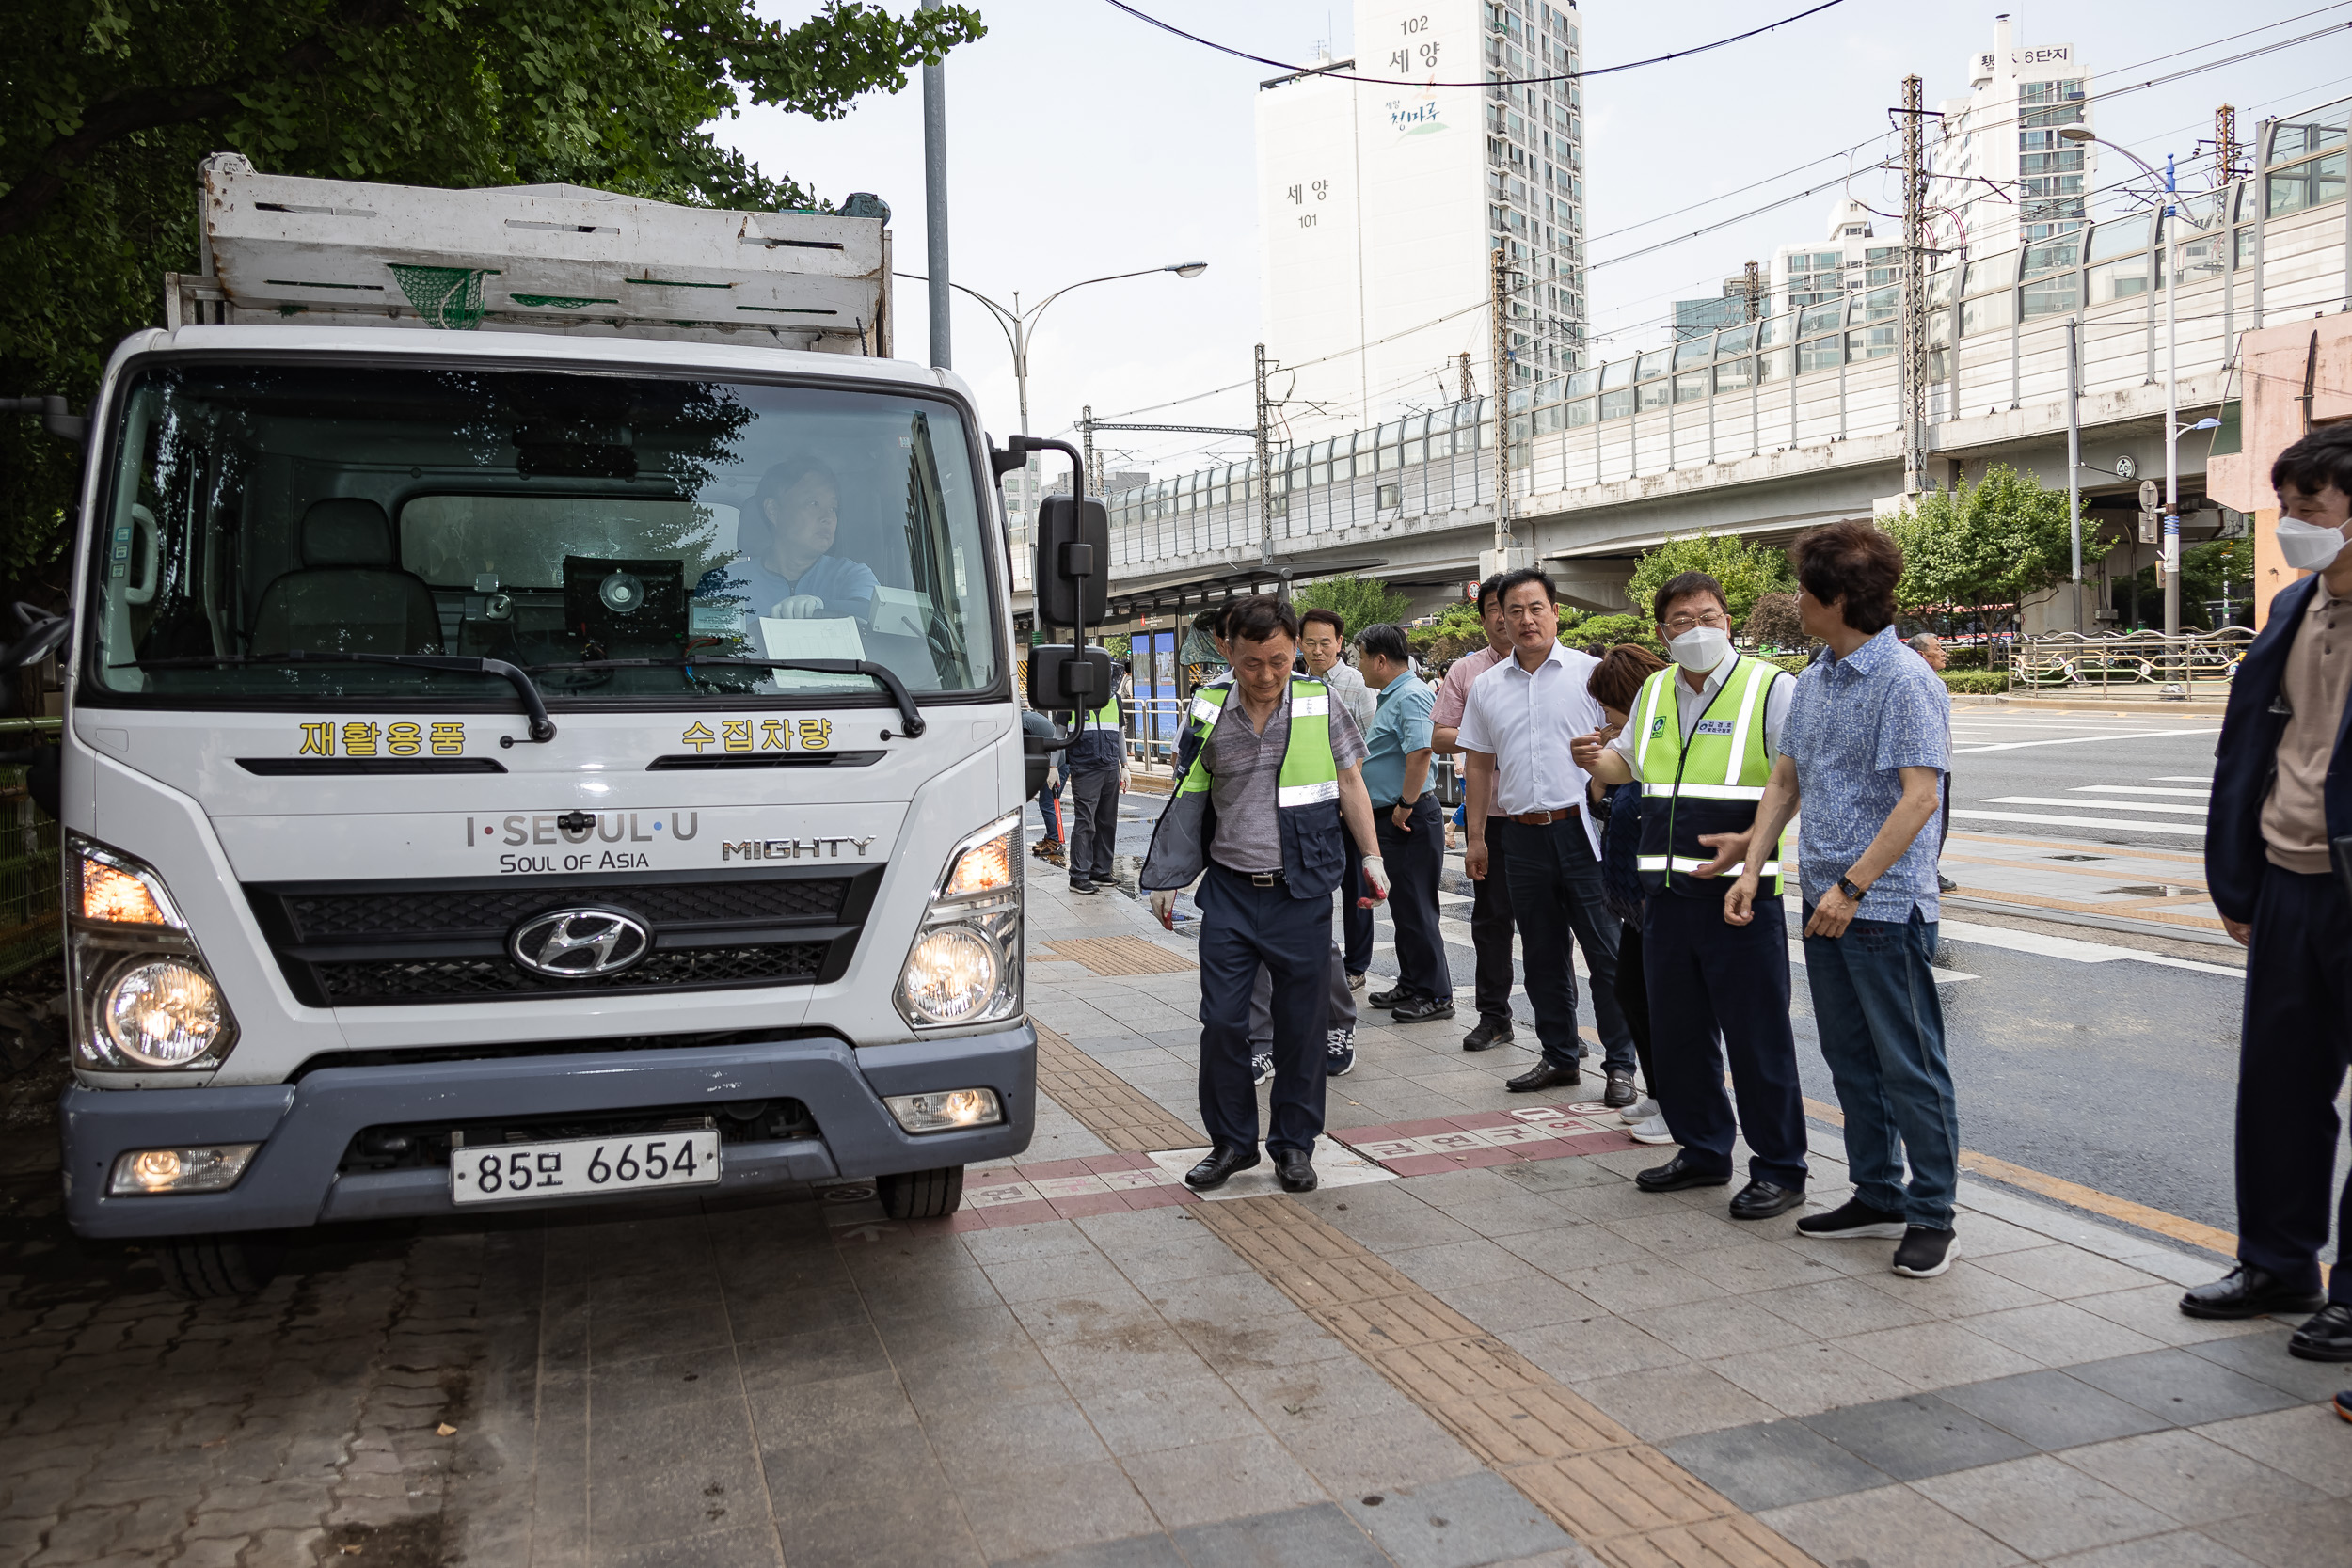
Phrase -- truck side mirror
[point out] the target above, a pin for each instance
(1072, 580)
(44, 632)
(1062, 675)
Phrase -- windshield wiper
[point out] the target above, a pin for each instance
(910, 716)
(542, 727)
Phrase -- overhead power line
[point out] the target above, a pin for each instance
(1482, 82)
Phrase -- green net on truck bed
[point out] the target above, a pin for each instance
(446, 296)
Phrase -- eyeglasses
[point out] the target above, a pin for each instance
(1681, 624)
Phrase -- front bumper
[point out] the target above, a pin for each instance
(305, 1128)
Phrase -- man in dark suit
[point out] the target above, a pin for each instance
(2279, 861)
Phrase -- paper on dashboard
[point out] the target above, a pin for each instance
(832, 638)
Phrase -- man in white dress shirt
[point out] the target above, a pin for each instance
(1517, 727)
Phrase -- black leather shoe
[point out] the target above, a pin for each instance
(1761, 1200)
(2327, 1336)
(1677, 1173)
(1395, 996)
(1422, 1010)
(1620, 1092)
(1296, 1169)
(1223, 1161)
(2249, 1292)
(1490, 1032)
(1543, 1075)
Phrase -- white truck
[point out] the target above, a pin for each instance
(539, 726)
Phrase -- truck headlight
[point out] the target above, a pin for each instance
(143, 999)
(947, 1112)
(964, 966)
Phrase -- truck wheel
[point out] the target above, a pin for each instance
(209, 1268)
(920, 1195)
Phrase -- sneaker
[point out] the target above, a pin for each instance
(1946, 883)
(1340, 1060)
(1854, 1220)
(1079, 885)
(1490, 1032)
(1652, 1131)
(1261, 1068)
(1924, 1254)
(1639, 1112)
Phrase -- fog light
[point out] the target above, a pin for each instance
(945, 1110)
(163, 1013)
(210, 1169)
(951, 975)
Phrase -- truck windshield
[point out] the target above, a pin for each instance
(602, 531)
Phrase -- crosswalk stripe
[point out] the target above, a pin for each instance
(2085, 805)
(2138, 789)
(2183, 828)
(2183, 777)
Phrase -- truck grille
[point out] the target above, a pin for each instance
(356, 944)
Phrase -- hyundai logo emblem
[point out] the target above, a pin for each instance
(579, 945)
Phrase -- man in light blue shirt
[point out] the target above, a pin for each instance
(1864, 748)
(1412, 833)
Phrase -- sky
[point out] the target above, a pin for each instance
(1084, 143)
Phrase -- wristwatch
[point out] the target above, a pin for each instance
(1845, 885)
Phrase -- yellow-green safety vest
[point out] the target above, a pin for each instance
(1711, 786)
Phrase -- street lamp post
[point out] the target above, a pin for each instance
(1019, 325)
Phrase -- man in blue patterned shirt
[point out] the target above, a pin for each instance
(1864, 747)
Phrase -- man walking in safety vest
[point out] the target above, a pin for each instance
(1258, 816)
(1097, 766)
(1704, 736)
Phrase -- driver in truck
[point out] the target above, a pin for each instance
(792, 575)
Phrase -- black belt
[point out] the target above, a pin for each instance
(1256, 878)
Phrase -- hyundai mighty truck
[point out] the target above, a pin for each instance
(539, 727)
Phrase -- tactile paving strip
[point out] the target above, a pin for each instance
(1478, 1138)
(1111, 1108)
(1115, 956)
(1631, 1504)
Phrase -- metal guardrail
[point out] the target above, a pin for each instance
(2138, 659)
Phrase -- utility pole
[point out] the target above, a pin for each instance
(1094, 464)
(2165, 258)
(1265, 467)
(2074, 460)
(935, 204)
(1752, 294)
(2225, 166)
(1499, 393)
(1914, 316)
(1470, 388)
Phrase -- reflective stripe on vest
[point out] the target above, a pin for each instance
(1712, 779)
(1105, 716)
(1683, 863)
(1310, 772)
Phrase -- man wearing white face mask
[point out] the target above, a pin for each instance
(2279, 861)
(1701, 738)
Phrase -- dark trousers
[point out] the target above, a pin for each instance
(1491, 925)
(2292, 1050)
(1355, 918)
(1414, 856)
(1717, 989)
(1243, 926)
(1555, 892)
(1049, 807)
(1094, 823)
(1881, 1031)
(1339, 1021)
(1634, 999)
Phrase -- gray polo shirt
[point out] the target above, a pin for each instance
(1245, 772)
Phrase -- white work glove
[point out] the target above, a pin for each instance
(1164, 906)
(1376, 873)
(799, 607)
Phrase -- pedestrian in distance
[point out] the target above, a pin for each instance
(1096, 762)
(1340, 1033)
(1259, 819)
(1490, 898)
(1322, 647)
(1616, 684)
(2279, 863)
(1517, 728)
(1863, 752)
(1701, 744)
(1930, 647)
(1405, 815)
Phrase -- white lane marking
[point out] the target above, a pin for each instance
(2070, 948)
(2140, 789)
(2086, 805)
(2077, 740)
(2116, 823)
(1943, 976)
(2184, 778)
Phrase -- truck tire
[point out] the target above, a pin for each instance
(920, 1195)
(211, 1268)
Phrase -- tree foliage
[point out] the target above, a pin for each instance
(1456, 632)
(1774, 623)
(110, 105)
(1998, 542)
(1360, 602)
(1747, 571)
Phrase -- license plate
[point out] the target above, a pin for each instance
(504, 1173)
